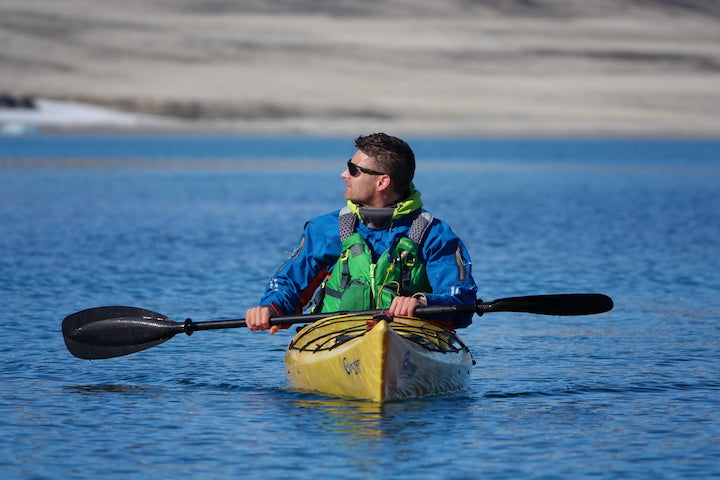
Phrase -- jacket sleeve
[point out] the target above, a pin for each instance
(449, 271)
(294, 283)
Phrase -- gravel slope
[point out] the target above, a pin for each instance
(522, 67)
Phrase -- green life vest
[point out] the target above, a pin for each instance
(358, 283)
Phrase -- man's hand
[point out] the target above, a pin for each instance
(258, 318)
(404, 306)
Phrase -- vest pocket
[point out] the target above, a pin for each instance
(356, 296)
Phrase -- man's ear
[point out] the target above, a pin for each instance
(384, 182)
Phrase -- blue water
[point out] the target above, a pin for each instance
(193, 227)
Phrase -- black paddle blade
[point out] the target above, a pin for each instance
(561, 304)
(107, 332)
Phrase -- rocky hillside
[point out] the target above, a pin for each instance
(598, 67)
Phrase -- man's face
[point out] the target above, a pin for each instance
(362, 187)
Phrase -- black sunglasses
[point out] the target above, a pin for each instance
(354, 169)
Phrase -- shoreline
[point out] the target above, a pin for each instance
(61, 117)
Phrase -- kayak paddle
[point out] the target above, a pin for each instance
(106, 332)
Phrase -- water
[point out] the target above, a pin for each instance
(194, 227)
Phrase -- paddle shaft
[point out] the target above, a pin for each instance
(560, 305)
(189, 326)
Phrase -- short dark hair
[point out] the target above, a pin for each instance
(393, 156)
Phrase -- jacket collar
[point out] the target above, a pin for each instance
(381, 218)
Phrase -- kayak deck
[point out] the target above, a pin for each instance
(361, 357)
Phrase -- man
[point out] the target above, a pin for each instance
(381, 251)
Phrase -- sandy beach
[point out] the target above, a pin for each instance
(550, 67)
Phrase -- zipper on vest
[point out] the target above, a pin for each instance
(372, 284)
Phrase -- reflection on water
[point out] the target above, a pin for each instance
(110, 388)
(361, 420)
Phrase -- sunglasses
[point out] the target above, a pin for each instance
(354, 169)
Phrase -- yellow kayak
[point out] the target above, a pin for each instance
(363, 357)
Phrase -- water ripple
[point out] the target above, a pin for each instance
(626, 394)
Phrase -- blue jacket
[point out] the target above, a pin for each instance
(447, 263)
